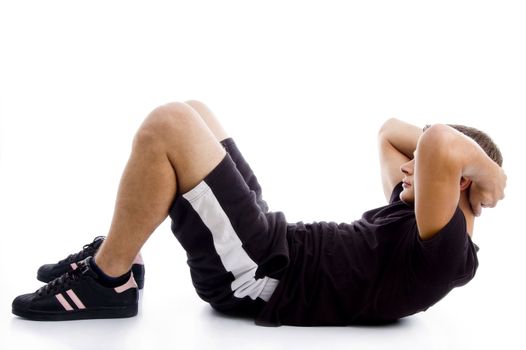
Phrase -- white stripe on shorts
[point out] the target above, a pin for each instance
(228, 245)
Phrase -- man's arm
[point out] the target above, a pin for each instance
(443, 157)
(396, 142)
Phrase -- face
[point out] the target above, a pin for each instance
(408, 193)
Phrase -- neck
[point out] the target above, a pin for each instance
(466, 209)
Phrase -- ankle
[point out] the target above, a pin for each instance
(109, 281)
(111, 268)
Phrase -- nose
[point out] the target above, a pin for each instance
(407, 168)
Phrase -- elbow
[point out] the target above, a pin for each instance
(436, 134)
(437, 141)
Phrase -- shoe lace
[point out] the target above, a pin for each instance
(62, 283)
(87, 250)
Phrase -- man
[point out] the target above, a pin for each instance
(395, 261)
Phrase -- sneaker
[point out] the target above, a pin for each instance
(78, 294)
(49, 272)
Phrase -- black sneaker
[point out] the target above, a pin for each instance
(49, 272)
(77, 295)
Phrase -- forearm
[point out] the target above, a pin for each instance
(472, 160)
(401, 135)
(458, 156)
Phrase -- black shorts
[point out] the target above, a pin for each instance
(237, 250)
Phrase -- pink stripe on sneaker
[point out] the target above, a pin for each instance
(73, 266)
(75, 299)
(138, 259)
(63, 302)
(130, 284)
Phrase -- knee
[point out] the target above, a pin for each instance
(165, 122)
(197, 105)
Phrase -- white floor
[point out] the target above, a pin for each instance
(479, 315)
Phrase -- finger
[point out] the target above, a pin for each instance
(476, 209)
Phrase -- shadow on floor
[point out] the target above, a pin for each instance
(233, 315)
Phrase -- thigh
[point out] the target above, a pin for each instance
(190, 145)
(236, 252)
(246, 171)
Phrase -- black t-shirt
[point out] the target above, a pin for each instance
(374, 269)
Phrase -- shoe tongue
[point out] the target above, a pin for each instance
(85, 267)
(97, 242)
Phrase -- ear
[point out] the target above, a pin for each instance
(464, 183)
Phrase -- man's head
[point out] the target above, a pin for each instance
(484, 141)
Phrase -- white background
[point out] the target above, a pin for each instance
(303, 87)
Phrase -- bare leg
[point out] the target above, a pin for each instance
(241, 164)
(172, 151)
(209, 118)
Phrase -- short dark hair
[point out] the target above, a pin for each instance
(480, 137)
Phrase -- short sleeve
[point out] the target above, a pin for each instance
(448, 257)
(395, 195)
